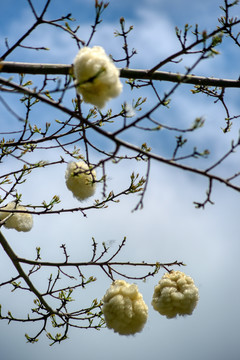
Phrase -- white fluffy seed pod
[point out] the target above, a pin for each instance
(18, 221)
(175, 295)
(80, 180)
(97, 78)
(124, 309)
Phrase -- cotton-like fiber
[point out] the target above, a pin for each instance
(96, 76)
(124, 309)
(80, 180)
(175, 295)
(18, 221)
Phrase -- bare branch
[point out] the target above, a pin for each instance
(64, 69)
(21, 272)
(117, 140)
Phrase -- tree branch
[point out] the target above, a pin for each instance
(65, 69)
(21, 272)
(95, 263)
(115, 139)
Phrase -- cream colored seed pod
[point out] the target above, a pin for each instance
(175, 295)
(96, 76)
(18, 221)
(124, 309)
(80, 180)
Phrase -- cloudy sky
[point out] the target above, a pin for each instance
(169, 227)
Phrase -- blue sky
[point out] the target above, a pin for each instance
(169, 227)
